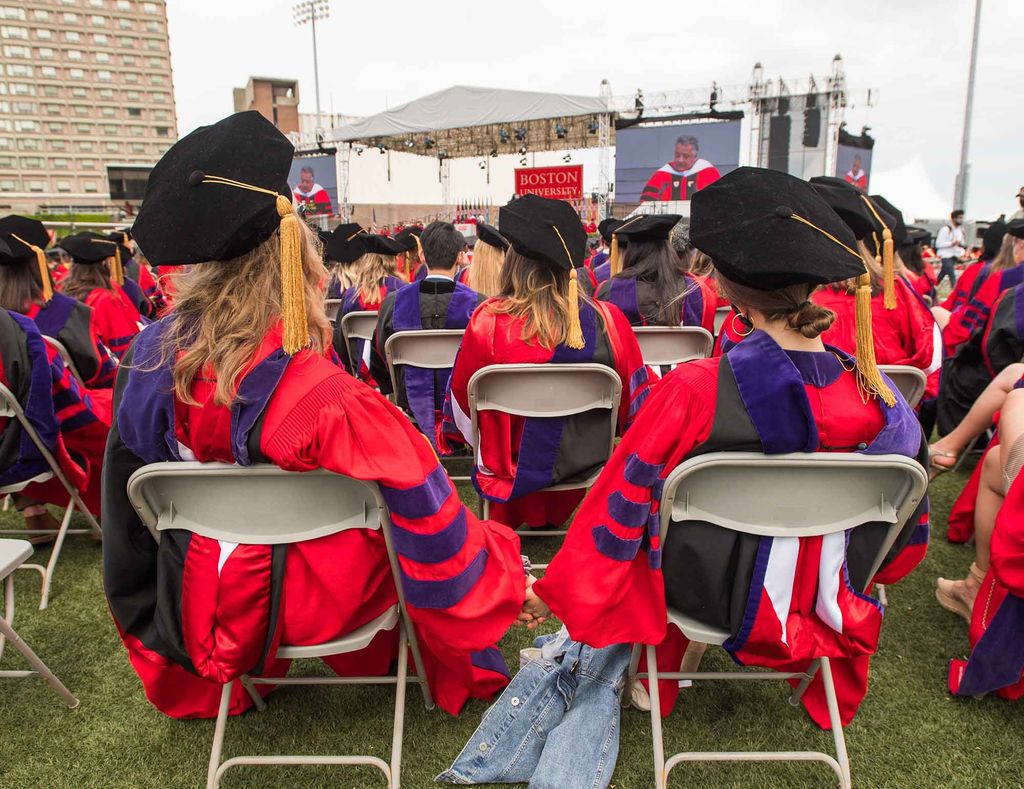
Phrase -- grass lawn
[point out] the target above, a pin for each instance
(909, 732)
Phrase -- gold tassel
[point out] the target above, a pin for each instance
(574, 333)
(888, 271)
(44, 270)
(869, 379)
(616, 262)
(117, 270)
(293, 301)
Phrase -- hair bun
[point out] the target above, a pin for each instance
(811, 319)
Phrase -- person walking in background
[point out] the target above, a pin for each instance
(1019, 213)
(949, 246)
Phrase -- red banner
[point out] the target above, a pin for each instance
(559, 183)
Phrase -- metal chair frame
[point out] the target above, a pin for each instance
(887, 489)
(332, 307)
(911, 381)
(662, 346)
(261, 519)
(359, 325)
(65, 355)
(721, 316)
(13, 554)
(11, 408)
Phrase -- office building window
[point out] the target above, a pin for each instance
(48, 72)
(76, 73)
(18, 70)
(102, 57)
(89, 186)
(45, 53)
(101, 39)
(12, 31)
(63, 186)
(35, 185)
(43, 34)
(17, 51)
(12, 12)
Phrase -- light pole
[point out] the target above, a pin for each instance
(960, 189)
(310, 11)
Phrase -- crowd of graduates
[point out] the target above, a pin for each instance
(210, 330)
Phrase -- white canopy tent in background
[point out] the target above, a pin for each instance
(911, 190)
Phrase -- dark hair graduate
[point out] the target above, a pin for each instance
(656, 262)
(442, 244)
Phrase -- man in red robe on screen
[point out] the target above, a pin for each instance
(856, 175)
(310, 194)
(680, 178)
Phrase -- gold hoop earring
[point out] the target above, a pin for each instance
(746, 323)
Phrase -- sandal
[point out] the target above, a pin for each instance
(935, 468)
(956, 596)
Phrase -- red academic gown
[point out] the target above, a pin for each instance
(964, 285)
(117, 319)
(72, 323)
(974, 313)
(996, 663)
(606, 583)
(463, 578)
(516, 456)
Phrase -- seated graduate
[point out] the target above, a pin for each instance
(26, 287)
(411, 258)
(488, 257)
(435, 302)
(239, 373)
(91, 280)
(71, 421)
(137, 271)
(342, 247)
(541, 317)
(600, 270)
(1006, 271)
(919, 274)
(652, 288)
(773, 241)
(375, 278)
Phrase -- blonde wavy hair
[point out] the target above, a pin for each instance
(371, 269)
(1006, 257)
(223, 310)
(485, 273)
(538, 293)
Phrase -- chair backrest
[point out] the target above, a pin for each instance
(664, 345)
(65, 356)
(358, 325)
(909, 380)
(332, 307)
(10, 408)
(721, 315)
(429, 349)
(545, 390)
(795, 495)
(254, 505)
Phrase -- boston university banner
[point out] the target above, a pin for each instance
(560, 183)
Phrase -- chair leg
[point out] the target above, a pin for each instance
(837, 725)
(58, 544)
(485, 508)
(798, 691)
(398, 730)
(218, 737)
(8, 609)
(38, 666)
(883, 598)
(657, 738)
(250, 688)
(417, 660)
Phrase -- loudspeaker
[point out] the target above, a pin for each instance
(779, 128)
(812, 127)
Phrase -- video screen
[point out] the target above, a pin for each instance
(854, 165)
(673, 162)
(314, 183)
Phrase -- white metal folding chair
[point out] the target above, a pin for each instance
(13, 554)
(358, 325)
(721, 315)
(265, 505)
(332, 307)
(909, 380)
(430, 349)
(792, 495)
(663, 346)
(66, 357)
(11, 408)
(540, 391)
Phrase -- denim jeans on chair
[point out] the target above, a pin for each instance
(556, 725)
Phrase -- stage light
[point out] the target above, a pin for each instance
(713, 100)
(427, 142)
(567, 158)
(523, 150)
(503, 135)
(559, 131)
(382, 148)
(442, 155)
(522, 161)
(494, 153)
(520, 134)
(592, 127)
(483, 165)
(359, 151)
(410, 144)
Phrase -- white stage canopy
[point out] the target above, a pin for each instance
(463, 106)
(911, 190)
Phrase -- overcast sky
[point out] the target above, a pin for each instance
(914, 53)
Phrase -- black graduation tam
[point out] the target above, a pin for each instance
(916, 235)
(5, 252)
(345, 244)
(489, 235)
(88, 248)
(199, 205)
(648, 227)
(121, 237)
(992, 239)
(21, 234)
(545, 230)
(897, 226)
(847, 201)
(408, 237)
(766, 230)
(833, 180)
(606, 227)
(382, 245)
(1015, 228)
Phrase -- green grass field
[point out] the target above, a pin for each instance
(909, 732)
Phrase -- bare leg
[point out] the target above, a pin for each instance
(941, 316)
(979, 418)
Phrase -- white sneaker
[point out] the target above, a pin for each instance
(638, 697)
